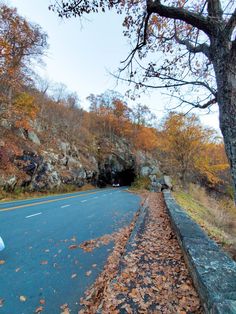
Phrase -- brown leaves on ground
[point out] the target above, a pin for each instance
(90, 245)
(2, 262)
(95, 295)
(73, 247)
(65, 308)
(39, 309)
(154, 277)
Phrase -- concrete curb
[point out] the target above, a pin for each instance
(139, 225)
(212, 270)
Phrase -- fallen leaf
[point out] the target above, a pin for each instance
(64, 306)
(44, 262)
(18, 269)
(39, 309)
(2, 261)
(94, 265)
(65, 309)
(73, 246)
(23, 298)
(42, 301)
(73, 276)
(88, 273)
(1, 302)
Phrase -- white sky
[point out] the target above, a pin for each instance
(82, 55)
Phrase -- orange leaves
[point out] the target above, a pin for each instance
(25, 110)
(190, 149)
(145, 138)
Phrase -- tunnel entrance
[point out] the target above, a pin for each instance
(125, 177)
(110, 177)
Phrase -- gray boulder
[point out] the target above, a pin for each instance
(33, 137)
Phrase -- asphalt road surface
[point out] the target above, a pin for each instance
(37, 263)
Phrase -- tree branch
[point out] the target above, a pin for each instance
(182, 14)
(196, 104)
(214, 9)
(204, 48)
(139, 44)
(230, 25)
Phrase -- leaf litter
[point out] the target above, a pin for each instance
(150, 278)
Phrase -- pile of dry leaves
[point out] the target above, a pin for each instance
(153, 277)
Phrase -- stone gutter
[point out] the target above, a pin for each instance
(212, 270)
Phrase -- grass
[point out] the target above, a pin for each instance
(20, 193)
(216, 217)
(140, 183)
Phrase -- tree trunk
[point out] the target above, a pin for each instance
(226, 97)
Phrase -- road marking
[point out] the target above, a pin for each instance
(45, 202)
(83, 201)
(33, 215)
(65, 206)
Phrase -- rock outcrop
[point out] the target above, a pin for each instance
(36, 166)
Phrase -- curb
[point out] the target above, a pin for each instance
(213, 271)
(139, 225)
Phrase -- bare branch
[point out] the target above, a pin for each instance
(196, 104)
(214, 9)
(204, 48)
(182, 14)
(139, 44)
(230, 25)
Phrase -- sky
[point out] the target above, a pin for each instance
(83, 54)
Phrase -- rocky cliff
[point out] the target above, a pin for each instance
(29, 161)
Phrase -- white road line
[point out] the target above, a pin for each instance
(65, 206)
(83, 201)
(33, 215)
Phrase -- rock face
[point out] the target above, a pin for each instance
(38, 167)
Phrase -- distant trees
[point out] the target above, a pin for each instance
(20, 43)
(190, 150)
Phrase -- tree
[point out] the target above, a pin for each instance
(20, 42)
(190, 150)
(199, 44)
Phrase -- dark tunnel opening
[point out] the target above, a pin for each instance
(116, 178)
(125, 177)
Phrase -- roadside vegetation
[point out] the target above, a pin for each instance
(20, 193)
(215, 214)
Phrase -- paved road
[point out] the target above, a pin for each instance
(37, 233)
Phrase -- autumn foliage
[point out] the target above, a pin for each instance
(192, 151)
(185, 149)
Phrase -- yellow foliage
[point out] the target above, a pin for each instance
(25, 109)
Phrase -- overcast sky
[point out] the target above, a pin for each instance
(82, 55)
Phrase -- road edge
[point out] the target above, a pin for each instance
(213, 271)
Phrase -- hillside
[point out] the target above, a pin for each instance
(48, 142)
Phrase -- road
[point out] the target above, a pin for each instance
(37, 263)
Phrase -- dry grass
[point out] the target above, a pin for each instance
(20, 194)
(216, 216)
